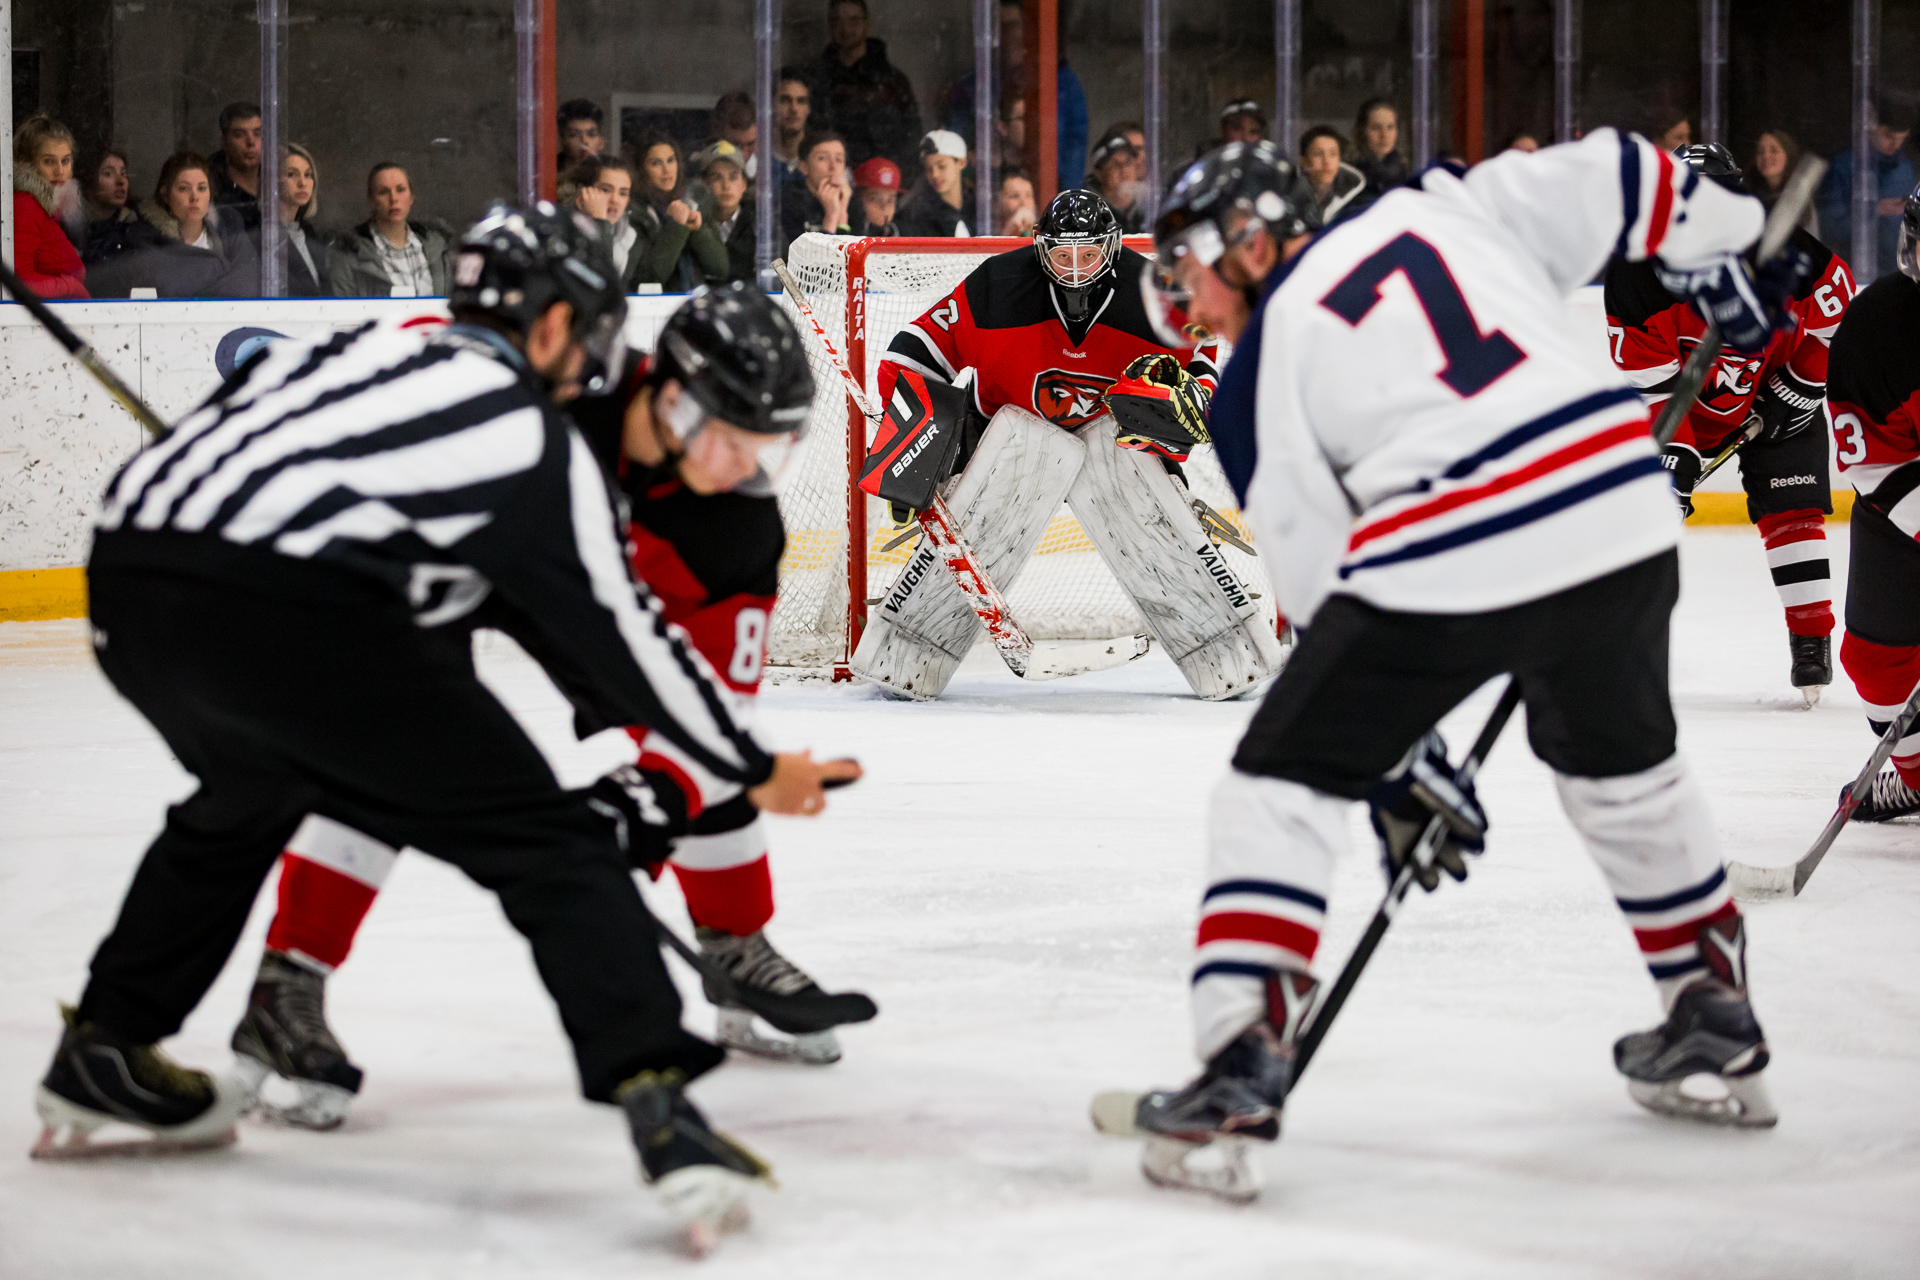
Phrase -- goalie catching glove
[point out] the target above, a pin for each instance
(1159, 407)
(1422, 786)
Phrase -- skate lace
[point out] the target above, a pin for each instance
(299, 1004)
(1891, 791)
(753, 961)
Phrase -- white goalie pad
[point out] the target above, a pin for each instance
(922, 628)
(1196, 608)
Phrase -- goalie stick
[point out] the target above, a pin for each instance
(1010, 640)
(1770, 884)
(79, 348)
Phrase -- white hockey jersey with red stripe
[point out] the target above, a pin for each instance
(1434, 433)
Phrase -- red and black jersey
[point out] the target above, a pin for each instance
(1006, 323)
(1650, 335)
(1873, 395)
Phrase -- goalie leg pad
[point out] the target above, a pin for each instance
(922, 628)
(1199, 611)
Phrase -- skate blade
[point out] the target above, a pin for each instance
(1057, 661)
(1116, 1112)
(1759, 884)
(1746, 1103)
(1218, 1168)
(316, 1105)
(67, 1129)
(709, 1201)
(813, 1049)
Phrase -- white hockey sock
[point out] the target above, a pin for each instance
(1271, 846)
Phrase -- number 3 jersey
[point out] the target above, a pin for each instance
(1431, 431)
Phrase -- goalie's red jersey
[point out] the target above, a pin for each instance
(1004, 322)
(1650, 335)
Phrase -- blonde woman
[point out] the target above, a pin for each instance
(45, 197)
(305, 252)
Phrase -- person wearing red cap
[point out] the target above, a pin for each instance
(876, 194)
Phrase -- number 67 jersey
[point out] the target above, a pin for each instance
(1432, 430)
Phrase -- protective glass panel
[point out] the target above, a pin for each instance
(1356, 83)
(1520, 84)
(1789, 94)
(1641, 69)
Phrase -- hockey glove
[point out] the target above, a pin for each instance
(647, 810)
(1683, 468)
(1728, 297)
(1424, 785)
(1786, 406)
(1159, 407)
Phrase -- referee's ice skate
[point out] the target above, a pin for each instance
(99, 1079)
(700, 1175)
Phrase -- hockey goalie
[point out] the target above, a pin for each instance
(1040, 379)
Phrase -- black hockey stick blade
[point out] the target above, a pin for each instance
(1402, 882)
(1770, 884)
(797, 1015)
(89, 358)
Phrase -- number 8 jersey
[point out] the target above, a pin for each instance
(1431, 430)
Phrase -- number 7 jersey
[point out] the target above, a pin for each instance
(1431, 430)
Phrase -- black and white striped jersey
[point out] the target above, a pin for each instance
(424, 456)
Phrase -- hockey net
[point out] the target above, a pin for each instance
(843, 548)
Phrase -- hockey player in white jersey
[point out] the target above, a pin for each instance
(1446, 488)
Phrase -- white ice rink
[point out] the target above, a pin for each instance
(1015, 883)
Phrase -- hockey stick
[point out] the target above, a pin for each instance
(1010, 639)
(80, 350)
(1770, 884)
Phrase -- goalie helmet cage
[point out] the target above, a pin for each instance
(839, 555)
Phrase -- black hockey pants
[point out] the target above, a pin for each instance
(1365, 683)
(281, 708)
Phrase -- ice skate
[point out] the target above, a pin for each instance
(284, 1035)
(1888, 798)
(803, 1030)
(1812, 665)
(98, 1079)
(1710, 1036)
(700, 1175)
(1198, 1138)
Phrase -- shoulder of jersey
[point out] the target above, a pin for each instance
(1882, 328)
(1634, 294)
(1009, 291)
(1819, 256)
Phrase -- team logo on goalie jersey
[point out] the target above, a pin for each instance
(1068, 398)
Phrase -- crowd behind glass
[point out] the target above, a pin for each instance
(852, 152)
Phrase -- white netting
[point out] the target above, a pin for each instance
(1064, 593)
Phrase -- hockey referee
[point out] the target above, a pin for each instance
(271, 587)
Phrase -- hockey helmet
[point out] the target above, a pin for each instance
(516, 263)
(1078, 239)
(1711, 160)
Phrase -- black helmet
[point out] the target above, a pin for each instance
(1908, 254)
(736, 352)
(1075, 219)
(1711, 160)
(514, 264)
(1253, 178)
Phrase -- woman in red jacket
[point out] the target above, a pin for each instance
(44, 257)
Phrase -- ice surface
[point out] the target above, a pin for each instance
(1015, 884)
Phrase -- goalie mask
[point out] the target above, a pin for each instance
(1078, 240)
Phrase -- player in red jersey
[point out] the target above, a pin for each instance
(1784, 467)
(705, 534)
(1873, 395)
(1051, 340)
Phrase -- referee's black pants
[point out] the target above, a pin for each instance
(343, 707)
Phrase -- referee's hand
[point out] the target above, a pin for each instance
(798, 785)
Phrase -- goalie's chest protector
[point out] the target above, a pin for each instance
(1004, 321)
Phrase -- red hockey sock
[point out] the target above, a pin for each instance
(1796, 543)
(329, 878)
(1885, 676)
(738, 899)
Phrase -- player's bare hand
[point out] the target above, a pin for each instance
(799, 783)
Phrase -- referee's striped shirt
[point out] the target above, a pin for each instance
(424, 455)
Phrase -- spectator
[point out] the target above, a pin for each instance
(236, 168)
(43, 255)
(1117, 169)
(1669, 130)
(389, 255)
(1775, 156)
(603, 190)
(1242, 121)
(1894, 178)
(106, 189)
(859, 94)
(1377, 129)
(1070, 100)
(933, 207)
(1335, 183)
(1010, 132)
(1521, 141)
(676, 249)
(1014, 209)
(876, 198)
(197, 249)
(734, 121)
(308, 266)
(580, 137)
(822, 198)
(114, 229)
(792, 106)
(727, 210)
